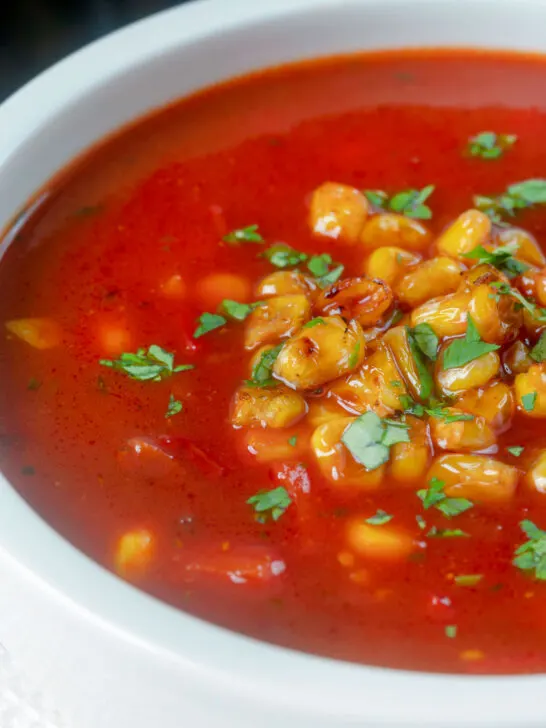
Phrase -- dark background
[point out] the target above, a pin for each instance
(36, 33)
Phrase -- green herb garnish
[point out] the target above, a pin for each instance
(209, 322)
(353, 359)
(434, 496)
(425, 378)
(283, 256)
(518, 196)
(447, 533)
(468, 579)
(174, 407)
(462, 351)
(247, 234)
(153, 364)
(451, 631)
(501, 258)
(515, 450)
(237, 311)
(528, 401)
(314, 322)
(426, 340)
(531, 556)
(261, 371)
(270, 503)
(292, 441)
(538, 352)
(409, 202)
(489, 145)
(380, 518)
(369, 438)
(503, 289)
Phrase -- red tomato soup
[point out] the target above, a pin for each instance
(276, 355)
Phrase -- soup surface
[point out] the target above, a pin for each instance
(276, 355)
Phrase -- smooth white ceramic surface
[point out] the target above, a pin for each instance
(105, 654)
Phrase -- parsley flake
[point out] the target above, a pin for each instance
(538, 314)
(270, 503)
(528, 401)
(468, 579)
(426, 382)
(489, 145)
(462, 351)
(237, 311)
(410, 203)
(153, 364)
(501, 258)
(434, 496)
(353, 358)
(538, 352)
(292, 441)
(247, 234)
(314, 322)
(208, 322)
(531, 556)
(380, 518)
(283, 256)
(518, 196)
(369, 438)
(451, 631)
(447, 533)
(175, 406)
(515, 450)
(261, 371)
(426, 340)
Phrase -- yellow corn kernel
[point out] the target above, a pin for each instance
(40, 333)
(494, 402)
(535, 478)
(336, 462)
(376, 386)
(397, 341)
(537, 281)
(470, 229)
(134, 553)
(446, 315)
(531, 391)
(463, 435)
(477, 477)
(472, 655)
(216, 287)
(532, 324)
(174, 287)
(359, 298)
(384, 543)
(277, 318)
(475, 373)
(497, 318)
(410, 460)
(390, 229)
(526, 247)
(338, 212)
(275, 407)
(268, 445)
(320, 353)
(323, 410)
(483, 273)
(517, 359)
(390, 263)
(285, 283)
(433, 278)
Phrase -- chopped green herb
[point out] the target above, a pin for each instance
(319, 265)
(247, 234)
(34, 384)
(208, 322)
(438, 410)
(462, 351)
(501, 258)
(426, 340)
(516, 197)
(380, 518)
(283, 256)
(538, 352)
(154, 364)
(396, 383)
(331, 277)
(292, 441)
(272, 503)
(528, 401)
(489, 145)
(174, 408)
(531, 556)
(314, 322)
(236, 310)
(539, 314)
(353, 359)
(409, 202)
(434, 496)
(451, 631)
(447, 533)
(421, 522)
(261, 372)
(515, 450)
(425, 378)
(369, 438)
(468, 579)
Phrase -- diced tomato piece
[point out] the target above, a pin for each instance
(145, 457)
(240, 565)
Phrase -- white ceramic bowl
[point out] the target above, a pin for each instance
(107, 655)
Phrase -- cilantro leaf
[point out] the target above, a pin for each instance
(408, 202)
(425, 378)
(314, 322)
(438, 410)
(175, 406)
(153, 364)
(489, 145)
(538, 352)
(353, 358)
(447, 533)
(261, 371)
(468, 579)
(380, 518)
(528, 401)
(236, 310)
(292, 441)
(531, 556)
(462, 351)
(208, 322)
(451, 631)
(270, 503)
(518, 196)
(426, 340)
(515, 450)
(434, 496)
(283, 256)
(501, 258)
(369, 438)
(247, 234)
(319, 265)
(538, 314)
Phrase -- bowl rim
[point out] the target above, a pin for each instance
(84, 587)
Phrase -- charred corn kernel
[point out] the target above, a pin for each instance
(216, 287)
(277, 318)
(516, 359)
(390, 229)
(359, 298)
(376, 386)
(477, 477)
(338, 212)
(384, 543)
(535, 478)
(134, 553)
(497, 318)
(476, 373)
(336, 462)
(470, 229)
(433, 278)
(275, 407)
(390, 263)
(323, 410)
(410, 460)
(481, 274)
(285, 283)
(463, 435)
(446, 315)
(40, 333)
(398, 343)
(532, 324)
(320, 353)
(526, 247)
(530, 390)
(174, 287)
(267, 445)
(494, 402)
